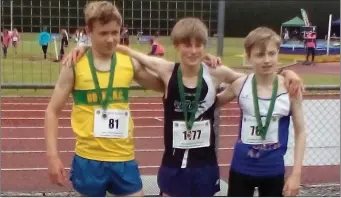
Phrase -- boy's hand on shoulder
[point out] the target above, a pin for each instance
(293, 83)
(73, 57)
(212, 61)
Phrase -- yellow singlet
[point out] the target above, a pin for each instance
(85, 101)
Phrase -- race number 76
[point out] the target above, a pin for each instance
(255, 131)
(192, 135)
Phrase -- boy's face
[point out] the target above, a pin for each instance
(105, 37)
(191, 52)
(264, 61)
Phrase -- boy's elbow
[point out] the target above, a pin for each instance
(51, 112)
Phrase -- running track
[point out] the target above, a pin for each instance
(23, 162)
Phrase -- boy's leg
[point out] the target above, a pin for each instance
(308, 53)
(5, 51)
(14, 44)
(125, 179)
(89, 177)
(271, 186)
(44, 48)
(174, 182)
(312, 54)
(240, 185)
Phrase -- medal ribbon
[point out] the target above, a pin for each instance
(109, 91)
(190, 121)
(264, 129)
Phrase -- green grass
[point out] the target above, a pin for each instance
(29, 67)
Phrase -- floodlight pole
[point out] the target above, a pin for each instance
(11, 15)
(221, 26)
(329, 29)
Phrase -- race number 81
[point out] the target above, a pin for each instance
(113, 123)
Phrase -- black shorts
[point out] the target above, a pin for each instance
(241, 185)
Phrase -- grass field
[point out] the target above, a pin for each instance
(29, 67)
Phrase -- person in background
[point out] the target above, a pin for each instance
(157, 49)
(44, 40)
(286, 35)
(76, 35)
(83, 39)
(64, 42)
(15, 37)
(310, 45)
(5, 40)
(124, 40)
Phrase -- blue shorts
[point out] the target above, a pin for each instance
(93, 178)
(189, 182)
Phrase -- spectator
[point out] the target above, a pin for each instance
(15, 37)
(5, 40)
(83, 39)
(310, 44)
(64, 42)
(124, 40)
(44, 40)
(157, 48)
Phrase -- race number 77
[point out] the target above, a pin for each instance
(192, 135)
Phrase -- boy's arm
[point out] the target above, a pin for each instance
(226, 75)
(292, 81)
(147, 79)
(158, 65)
(60, 95)
(225, 96)
(300, 136)
(292, 184)
(230, 93)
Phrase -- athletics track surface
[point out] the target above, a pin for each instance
(23, 162)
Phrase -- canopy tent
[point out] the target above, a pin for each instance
(294, 22)
(337, 22)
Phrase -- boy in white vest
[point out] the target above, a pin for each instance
(266, 108)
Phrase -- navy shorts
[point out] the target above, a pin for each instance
(93, 178)
(189, 182)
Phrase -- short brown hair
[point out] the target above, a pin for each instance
(188, 28)
(103, 11)
(261, 37)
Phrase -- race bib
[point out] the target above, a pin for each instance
(197, 137)
(111, 123)
(15, 38)
(250, 134)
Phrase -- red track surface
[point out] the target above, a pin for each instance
(23, 162)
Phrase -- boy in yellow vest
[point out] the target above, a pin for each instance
(104, 158)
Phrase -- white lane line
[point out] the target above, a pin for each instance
(132, 110)
(159, 119)
(69, 127)
(68, 118)
(73, 138)
(68, 168)
(136, 150)
(46, 103)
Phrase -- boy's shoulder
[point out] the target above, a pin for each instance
(281, 84)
